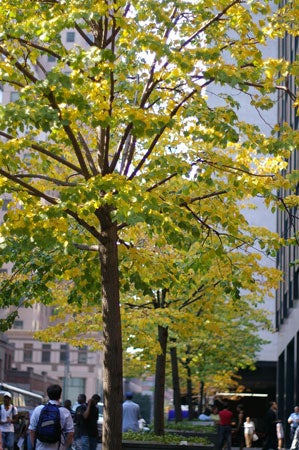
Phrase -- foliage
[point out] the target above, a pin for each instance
(167, 438)
(186, 425)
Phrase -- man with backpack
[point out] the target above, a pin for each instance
(51, 426)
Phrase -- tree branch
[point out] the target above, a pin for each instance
(46, 178)
(208, 23)
(71, 137)
(53, 201)
(90, 248)
(51, 155)
(19, 66)
(88, 154)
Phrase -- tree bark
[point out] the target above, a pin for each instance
(112, 337)
(176, 385)
(189, 388)
(201, 394)
(189, 395)
(160, 382)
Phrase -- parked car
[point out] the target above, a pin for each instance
(100, 406)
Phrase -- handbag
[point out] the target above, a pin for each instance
(255, 437)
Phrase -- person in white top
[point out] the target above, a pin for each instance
(249, 429)
(293, 420)
(67, 425)
(8, 417)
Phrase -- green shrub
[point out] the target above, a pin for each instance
(167, 438)
(186, 425)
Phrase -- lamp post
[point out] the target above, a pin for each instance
(66, 372)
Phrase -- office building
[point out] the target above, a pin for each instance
(287, 300)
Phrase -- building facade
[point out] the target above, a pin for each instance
(6, 355)
(78, 369)
(287, 298)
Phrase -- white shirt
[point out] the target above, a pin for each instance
(5, 413)
(67, 426)
(249, 427)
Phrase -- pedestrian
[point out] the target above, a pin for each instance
(68, 405)
(215, 415)
(8, 418)
(205, 415)
(293, 420)
(86, 419)
(270, 428)
(66, 423)
(225, 428)
(295, 441)
(239, 432)
(131, 414)
(249, 429)
(280, 434)
(81, 400)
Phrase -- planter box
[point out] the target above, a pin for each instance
(135, 445)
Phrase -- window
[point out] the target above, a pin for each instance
(5, 202)
(63, 353)
(18, 324)
(82, 355)
(28, 352)
(14, 96)
(46, 353)
(51, 58)
(73, 386)
(70, 36)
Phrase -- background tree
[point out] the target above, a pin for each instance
(118, 131)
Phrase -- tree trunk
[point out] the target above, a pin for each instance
(160, 383)
(189, 395)
(189, 387)
(176, 385)
(112, 337)
(201, 394)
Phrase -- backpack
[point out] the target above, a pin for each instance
(48, 427)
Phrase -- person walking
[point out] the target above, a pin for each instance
(7, 419)
(270, 428)
(280, 434)
(81, 400)
(249, 429)
(293, 420)
(86, 417)
(131, 414)
(239, 432)
(54, 392)
(295, 441)
(225, 428)
(68, 405)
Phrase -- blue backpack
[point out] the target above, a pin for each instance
(48, 426)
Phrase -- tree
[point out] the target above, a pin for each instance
(118, 131)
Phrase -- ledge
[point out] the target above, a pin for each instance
(141, 445)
